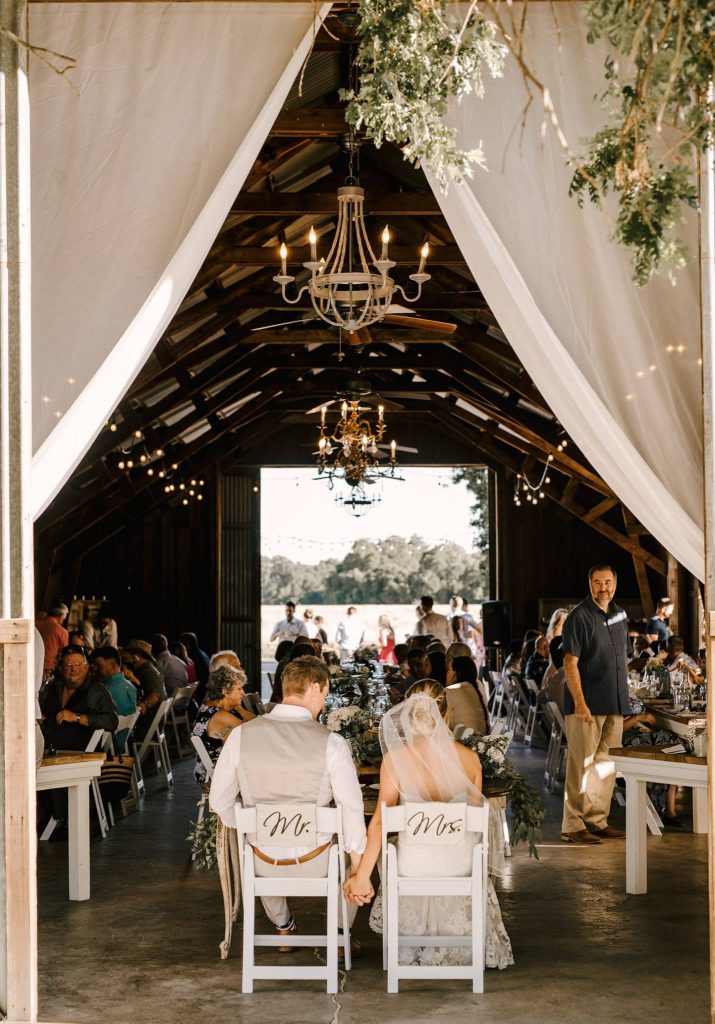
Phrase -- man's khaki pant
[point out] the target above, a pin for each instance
(276, 907)
(590, 773)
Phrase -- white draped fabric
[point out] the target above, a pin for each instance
(134, 170)
(619, 366)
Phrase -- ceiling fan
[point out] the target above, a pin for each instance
(398, 315)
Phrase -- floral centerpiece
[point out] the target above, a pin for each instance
(527, 808)
(354, 725)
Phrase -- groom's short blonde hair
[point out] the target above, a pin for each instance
(300, 674)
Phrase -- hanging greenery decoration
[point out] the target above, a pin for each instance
(660, 119)
(413, 58)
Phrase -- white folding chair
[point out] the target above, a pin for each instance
(95, 741)
(155, 740)
(534, 712)
(421, 823)
(252, 702)
(323, 820)
(518, 704)
(558, 748)
(206, 761)
(179, 714)
(497, 695)
(126, 724)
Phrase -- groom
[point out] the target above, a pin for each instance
(287, 757)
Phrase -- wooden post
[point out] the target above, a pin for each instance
(18, 893)
(707, 299)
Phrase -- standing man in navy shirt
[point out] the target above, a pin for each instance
(595, 700)
(657, 629)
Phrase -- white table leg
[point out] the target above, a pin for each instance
(700, 810)
(78, 828)
(636, 837)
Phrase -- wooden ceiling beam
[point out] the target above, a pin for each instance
(310, 123)
(301, 204)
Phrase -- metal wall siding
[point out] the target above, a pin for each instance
(240, 587)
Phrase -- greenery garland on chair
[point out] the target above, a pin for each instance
(202, 836)
(414, 58)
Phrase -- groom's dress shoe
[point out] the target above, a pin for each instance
(287, 931)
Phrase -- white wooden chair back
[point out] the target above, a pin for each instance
(203, 756)
(179, 713)
(127, 722)
(290, 825)
(438, 825)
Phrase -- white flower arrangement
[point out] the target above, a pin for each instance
(347, 720)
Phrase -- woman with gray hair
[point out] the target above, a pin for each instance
(220, 713)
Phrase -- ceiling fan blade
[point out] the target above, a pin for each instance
(283, 323)
(326, 405)
(437, 326)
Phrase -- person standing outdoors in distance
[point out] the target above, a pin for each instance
(288, 628)
(657, 629)
(596, 698)
(349, 634)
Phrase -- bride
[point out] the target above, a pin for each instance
(423, 763)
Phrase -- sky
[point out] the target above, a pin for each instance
(300, 519)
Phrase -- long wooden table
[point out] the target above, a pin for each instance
(639, 765)
(677, 722)
(74, 771)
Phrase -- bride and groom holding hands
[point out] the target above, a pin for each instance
(286, 756)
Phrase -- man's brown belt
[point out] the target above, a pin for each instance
(293, 860)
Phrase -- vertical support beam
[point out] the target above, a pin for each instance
(493, 527)
(676, 595)
(18, 894)
(707, 326)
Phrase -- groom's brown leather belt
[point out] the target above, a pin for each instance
(293, 860)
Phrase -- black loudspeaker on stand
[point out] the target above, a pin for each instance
(496, 623)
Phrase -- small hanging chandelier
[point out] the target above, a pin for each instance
(351, 288)
(351, 451)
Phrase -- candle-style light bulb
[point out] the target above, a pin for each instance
(393, 450)
(380, 412)
(344, 408)
(323, 413)
(424, 253)
(385, 242)
(284, 257)
(313, 239)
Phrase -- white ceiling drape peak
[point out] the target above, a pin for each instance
(618, 365)
(133, 173)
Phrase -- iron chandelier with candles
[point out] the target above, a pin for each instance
(351, 452)
(351, 288)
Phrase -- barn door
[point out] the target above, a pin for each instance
(240, 566)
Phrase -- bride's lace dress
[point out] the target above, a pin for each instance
(444, 915)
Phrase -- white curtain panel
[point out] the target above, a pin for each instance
(134, 169)
(618, 365)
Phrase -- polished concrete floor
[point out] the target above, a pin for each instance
(144, 949)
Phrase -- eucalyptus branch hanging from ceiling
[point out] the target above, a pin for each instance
(415, 57)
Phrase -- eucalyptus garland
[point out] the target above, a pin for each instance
(202, 836)
(413, 58)
(660, 119)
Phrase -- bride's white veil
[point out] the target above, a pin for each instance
(421, 756)
(423, 763)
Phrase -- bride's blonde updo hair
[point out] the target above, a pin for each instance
(420, 719)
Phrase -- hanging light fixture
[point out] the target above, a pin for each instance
(351, 287)
(351, 451)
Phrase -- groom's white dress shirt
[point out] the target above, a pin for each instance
(339, 783)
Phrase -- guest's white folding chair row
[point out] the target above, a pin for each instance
(179, 715)
(401, 820)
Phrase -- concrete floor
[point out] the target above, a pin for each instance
(144, 949)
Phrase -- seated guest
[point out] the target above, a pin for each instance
(105, 632)
(54, 636)
(639, 731)
(302, 648)
(221, 713)
(225, 659)
(139, 668)
(177, 648)
(287, 757)
(418, 642)
(538, 662)
(677, 659)
(173, 669)
(465, 699)
(554, 634)
(642, 653)
(73, 706)
(418, 664)
(457, 650)
(201, 661)
(398, 675)
(513, 661)
(437, 667)
(106, 664)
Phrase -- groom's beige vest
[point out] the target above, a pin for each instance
(282, 761)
